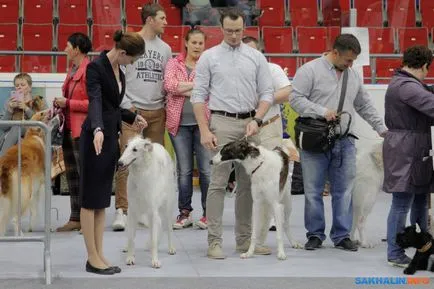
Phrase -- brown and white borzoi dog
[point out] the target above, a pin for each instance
(32, 176)
(268, 170)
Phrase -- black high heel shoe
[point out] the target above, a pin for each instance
(92, 269)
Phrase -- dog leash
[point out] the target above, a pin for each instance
(240, 139)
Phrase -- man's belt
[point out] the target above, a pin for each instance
(240, 115)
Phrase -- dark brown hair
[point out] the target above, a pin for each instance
(131, 42)
(417, 56)
(233, 13)
(150, 9)
(347, 42)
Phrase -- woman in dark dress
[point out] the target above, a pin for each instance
(99, 149)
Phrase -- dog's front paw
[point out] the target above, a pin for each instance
(409, 271)
(297, 245)
(245, 255)
(131, 260)
(366, 245)
(172, 251)
(281, 256)
(156, 263)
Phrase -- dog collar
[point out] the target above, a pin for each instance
(425, 248)
(257, 167)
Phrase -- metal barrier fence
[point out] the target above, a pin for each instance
(46, 237)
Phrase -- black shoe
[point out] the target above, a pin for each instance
(313, 243)
(347, 244)
(106, 271)
(272, 228)
(116, 269)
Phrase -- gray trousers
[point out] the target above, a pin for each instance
(228, 129)
(9, 139)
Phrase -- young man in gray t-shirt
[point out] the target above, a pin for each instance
(145, 95)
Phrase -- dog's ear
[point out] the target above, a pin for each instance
(148, 147)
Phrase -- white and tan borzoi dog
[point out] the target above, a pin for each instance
(151, 192)
(32, 176)
(367, 185)
(268, 170)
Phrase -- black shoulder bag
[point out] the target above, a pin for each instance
(318, 135)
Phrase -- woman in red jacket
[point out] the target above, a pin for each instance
(183, 128)
(74, 104)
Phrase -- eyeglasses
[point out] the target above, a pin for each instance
(231, 32)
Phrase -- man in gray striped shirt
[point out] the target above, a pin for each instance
(235, 80)
(316, 93)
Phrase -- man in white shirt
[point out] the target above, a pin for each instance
(236, 80)
(144, 95)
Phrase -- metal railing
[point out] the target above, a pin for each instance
(300, 59)
(46, 237)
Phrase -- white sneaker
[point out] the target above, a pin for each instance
(120, 221)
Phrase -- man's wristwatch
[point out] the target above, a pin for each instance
(258, 121)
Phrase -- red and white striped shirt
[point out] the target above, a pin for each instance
(175, 73)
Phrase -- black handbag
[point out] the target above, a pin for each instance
(318, 135)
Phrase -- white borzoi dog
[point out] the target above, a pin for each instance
(151, 192)
(368, 183)
(268, 170)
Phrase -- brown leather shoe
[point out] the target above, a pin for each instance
(70, 226)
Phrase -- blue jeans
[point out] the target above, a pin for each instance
(185, 143)
(401, 204)
(339, 167)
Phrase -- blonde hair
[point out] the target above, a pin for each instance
(24, 76)
(131, 42)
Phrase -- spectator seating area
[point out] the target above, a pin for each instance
(286, 26)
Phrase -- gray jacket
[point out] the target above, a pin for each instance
(409, 114)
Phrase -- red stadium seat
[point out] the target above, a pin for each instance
(64, 31)
(213, 34)
(303, 12)
(336, 12)
(312, 39)
(7, 64)
(285, 62)
(252, 31)
(38, 11)
(401, 13)
(106, 12)
(369, 13)
(174, 36)
(102, 36)
(381, 40)
(37, 37)
(385, 68)
(277, 39)
(412, 36)
(427, 12)
(274, 12)
(73, 11)
(36, 64)
(173, 13)
(9, 11)
(133, 10)
(8, 36)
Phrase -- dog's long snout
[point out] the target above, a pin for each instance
(120, 164)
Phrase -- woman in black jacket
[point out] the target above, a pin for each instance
(99, 148)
